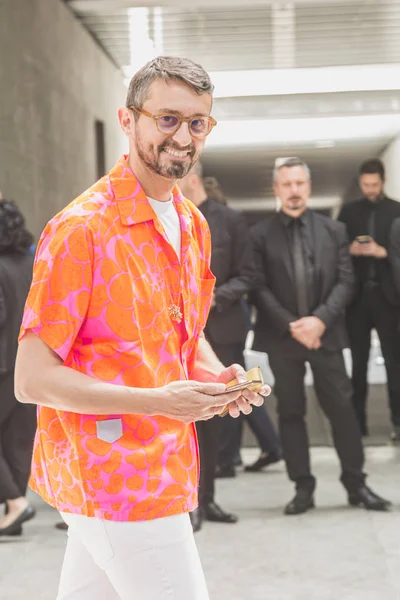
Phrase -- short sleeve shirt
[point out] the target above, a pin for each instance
(104, 282)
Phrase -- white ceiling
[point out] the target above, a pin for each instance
(234, 35)
(240, 34)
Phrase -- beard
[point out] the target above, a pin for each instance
(296, 203)
(152, 157)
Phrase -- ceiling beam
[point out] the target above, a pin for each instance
(98, 6)
(318, 80)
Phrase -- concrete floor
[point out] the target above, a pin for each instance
(332, 553)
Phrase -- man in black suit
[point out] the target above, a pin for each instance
(376, 303)
(233, 265)
(394, 255)
(306, 281)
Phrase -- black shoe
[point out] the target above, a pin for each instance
(213, 512)
(15, 532)
(366, 498)
(263, 461)
(18, 530)
(196, 518)
(225, 472)
(15, 527)
(61, 525)
(301, 503)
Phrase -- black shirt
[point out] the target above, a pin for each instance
(204, 208)
(308, 244)
(364, 217)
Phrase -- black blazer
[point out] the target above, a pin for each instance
(355, 216)
(275, 297)
(394, 253)
(15, 281)
(233, 265)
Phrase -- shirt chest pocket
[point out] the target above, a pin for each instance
(109, 430)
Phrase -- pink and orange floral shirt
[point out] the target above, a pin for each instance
(105, 276)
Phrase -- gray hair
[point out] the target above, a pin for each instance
(292, 161)
(167, 68)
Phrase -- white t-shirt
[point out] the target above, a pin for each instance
(168, 216)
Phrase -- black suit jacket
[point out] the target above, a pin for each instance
(233, 265)
(275, 297)
(394, 253)
(15, 281)
(355, 216)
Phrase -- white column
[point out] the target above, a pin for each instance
(141, 46)
(391, 160)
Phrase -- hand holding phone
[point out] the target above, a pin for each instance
(254, 383)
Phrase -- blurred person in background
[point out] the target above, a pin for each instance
(263, 429)
(394, 255)
(306, 281)
(227, 326)
(376, 304)
(214, 190)
(17, 421)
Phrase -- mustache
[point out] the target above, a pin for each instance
(295, 198)
(190, 148)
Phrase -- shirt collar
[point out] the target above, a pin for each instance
(287, 220)
(377, 202)
(132, 202)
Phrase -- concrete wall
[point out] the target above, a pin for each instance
(391, 160)
(55, 81)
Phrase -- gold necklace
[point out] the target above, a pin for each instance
(175, 313)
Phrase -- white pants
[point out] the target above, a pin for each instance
(142, 560)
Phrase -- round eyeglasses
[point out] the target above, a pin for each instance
(199, 126)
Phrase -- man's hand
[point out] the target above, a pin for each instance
(243, 404)
(373, 249)
(308, 332)
(369, 249)
(355, 248)
(189, 401)
(213, 301)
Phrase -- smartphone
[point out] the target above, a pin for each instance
(364, 239)
(254, 382)
(241, 386)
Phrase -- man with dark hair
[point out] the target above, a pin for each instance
(113, 353)
(306, 281)
(376, 302)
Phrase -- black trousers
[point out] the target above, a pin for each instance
(372, 310)
(258, 419)
(208, 433)
(220, 438)
(211, 432)
(231, 438)
(17, 431)
(333, 390)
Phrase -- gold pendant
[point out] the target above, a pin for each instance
(175, 313)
